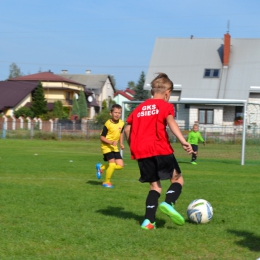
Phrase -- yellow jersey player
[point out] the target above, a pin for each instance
(111, 134)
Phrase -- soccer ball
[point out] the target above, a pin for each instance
(200, 211)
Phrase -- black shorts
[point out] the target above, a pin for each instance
(157, 168)
(195, 147)
(112, 155)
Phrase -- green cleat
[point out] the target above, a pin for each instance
(194, 163)
(169, 210)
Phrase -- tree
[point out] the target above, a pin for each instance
(14, 71)
(140, 93)
(23, 111)
(57, 109)
(131, 85)
(39, 103)
(103, 116)
(75, 107)
(82, 105)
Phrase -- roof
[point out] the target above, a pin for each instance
(90, 81)
(45, 77)
(184, 60)
(124, 94)
(130, 91)
(12, 92)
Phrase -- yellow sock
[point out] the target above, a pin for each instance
(110, 169)
(104, 167)
(118, 167)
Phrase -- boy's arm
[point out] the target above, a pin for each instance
(121, 140)
(106, 141)
(201, 139)
(127, 133)
(189, 136)
(177, 132)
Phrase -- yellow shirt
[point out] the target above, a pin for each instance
(112, 132)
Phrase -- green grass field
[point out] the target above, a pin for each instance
(53, 207)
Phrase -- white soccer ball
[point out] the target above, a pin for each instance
(200, 211)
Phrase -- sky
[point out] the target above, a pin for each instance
(113, 37)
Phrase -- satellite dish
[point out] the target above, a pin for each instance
(90, 98)
(76, 95)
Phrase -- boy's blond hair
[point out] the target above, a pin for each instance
(161, 83)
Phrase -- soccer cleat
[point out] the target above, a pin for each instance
(193, 162)
(99, 171)
(107, 185)
(169, 210)
(148, 225)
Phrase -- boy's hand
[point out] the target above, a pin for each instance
(114, 143)
(122, 146)
(204, 143)
(187, 147)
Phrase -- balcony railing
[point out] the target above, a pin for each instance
(65, 102)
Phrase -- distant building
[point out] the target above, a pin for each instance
(216, 69)
(100, 85)
(124, 95)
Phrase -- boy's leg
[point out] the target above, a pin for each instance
(172, 195)
(119, 164)
(194, 155)
(109, 171)
(151, 205)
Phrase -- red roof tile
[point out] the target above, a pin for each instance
(122, 93)
(130, 91)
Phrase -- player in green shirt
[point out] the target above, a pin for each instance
(193, 138)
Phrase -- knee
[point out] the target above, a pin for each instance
(178, 178)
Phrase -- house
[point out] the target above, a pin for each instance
(124, 95)
(101, 85)
(210, 69)
(55, 88)
(15, 94)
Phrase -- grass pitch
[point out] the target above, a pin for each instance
(53, 207)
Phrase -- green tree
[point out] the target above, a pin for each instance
(82, 105)
(39, 103)
(103, 116)
(57, 109)
(14, 71)
(131, 85)
(140, 93)
(75, 107)
(104, 104)
(23, 111)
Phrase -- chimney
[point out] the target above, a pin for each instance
(226, 53)
(88, 71)
(64, 72)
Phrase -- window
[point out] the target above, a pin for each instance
(175, 111)
(206, 116)
(211, 73)
(239, 112)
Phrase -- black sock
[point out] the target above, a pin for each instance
(173, 193)
(193, 157)
(151, 205)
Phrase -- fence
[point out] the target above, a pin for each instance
(226, 140)
(53, 129)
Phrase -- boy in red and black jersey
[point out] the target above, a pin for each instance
(149, 144)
